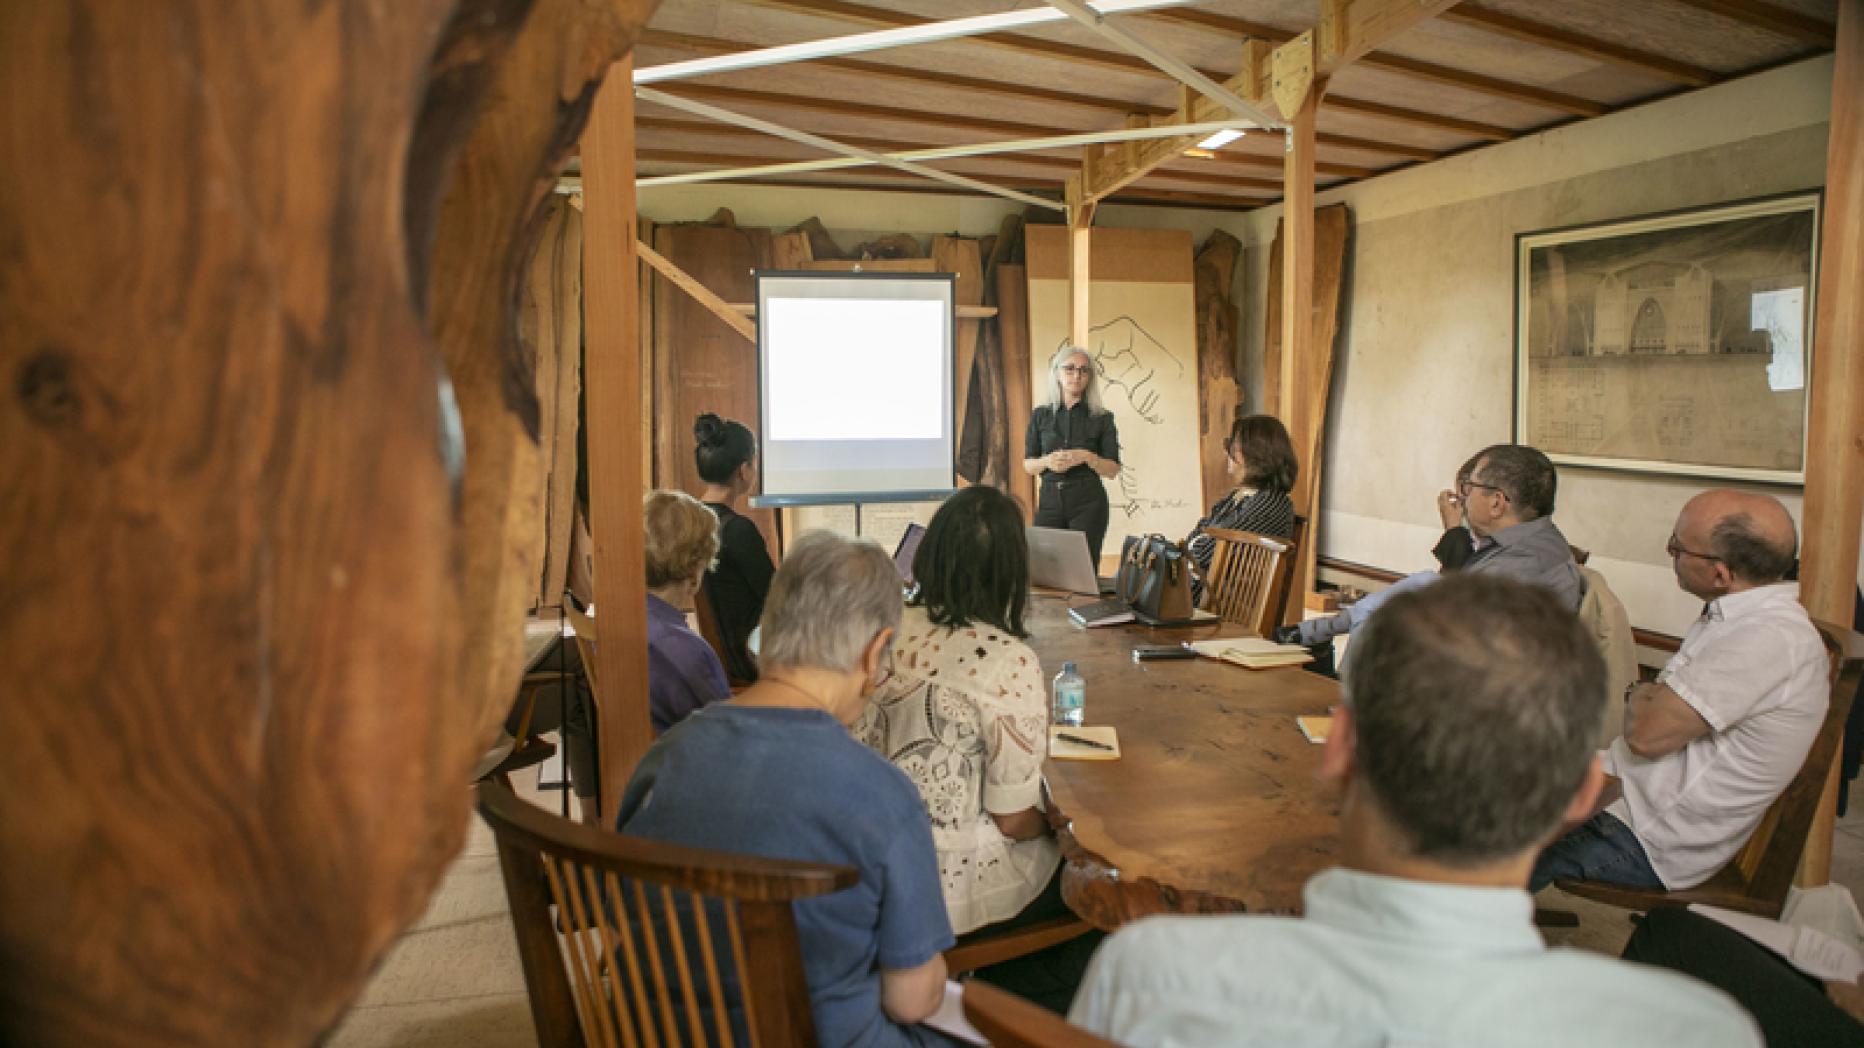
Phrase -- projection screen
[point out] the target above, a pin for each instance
(854, 387)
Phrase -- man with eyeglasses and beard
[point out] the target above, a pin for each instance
(1714, 740)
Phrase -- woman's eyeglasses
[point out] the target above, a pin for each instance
(1075, 369)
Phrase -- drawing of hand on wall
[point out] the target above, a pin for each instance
(1129, 359)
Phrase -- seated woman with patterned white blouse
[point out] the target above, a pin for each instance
(964, 713)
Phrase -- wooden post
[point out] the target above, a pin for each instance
(611, 288)
(1080, 218)
(1835, 463)
(1300, 410)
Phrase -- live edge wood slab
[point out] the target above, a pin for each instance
(240, 698)
(1213, 807)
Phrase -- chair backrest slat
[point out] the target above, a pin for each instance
(1246, 571)
(569, 909)
(676, 940)
(656, 968)
(747, 976)
(602, 945)
(720, 1005)
(614, 898)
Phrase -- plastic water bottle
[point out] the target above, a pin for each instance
(1068, 697)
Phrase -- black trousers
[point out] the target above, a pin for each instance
(1047, 977)
(1790, 1006)
(1077, 503)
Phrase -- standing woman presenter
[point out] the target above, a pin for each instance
(1072, 445)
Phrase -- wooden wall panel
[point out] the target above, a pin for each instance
(700, 363)
(551, 322)
(960, 256)
(1218, 322)
(1018, 397)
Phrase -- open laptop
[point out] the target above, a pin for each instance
(908, 548)
(1058, 559)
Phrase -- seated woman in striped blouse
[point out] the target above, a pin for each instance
(1262, 462)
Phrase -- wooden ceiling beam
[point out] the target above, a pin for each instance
(1777, 20)
(930, 78)
(1241, 201)
(1557, 39)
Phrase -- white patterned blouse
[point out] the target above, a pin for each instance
(964, 714)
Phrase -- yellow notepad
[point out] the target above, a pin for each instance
(1315, 728)
(1064, 750)
(1252, 652)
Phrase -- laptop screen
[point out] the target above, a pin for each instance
(908, 548)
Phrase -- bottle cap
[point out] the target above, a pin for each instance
(1067, 667)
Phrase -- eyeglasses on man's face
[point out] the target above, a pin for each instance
(1675, 549)
(1463, 486)
(1075, 369)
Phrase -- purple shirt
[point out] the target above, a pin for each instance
(683, 672)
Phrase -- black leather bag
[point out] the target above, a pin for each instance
(1162, 592)
(1126, 582)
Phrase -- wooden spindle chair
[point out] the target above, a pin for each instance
(629, 943)
(1757, 878)
(1247, 572)
(1008, 1021)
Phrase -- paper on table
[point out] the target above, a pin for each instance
(1251, 652)
(1315, 728)
(1808, 949)
(949, 1018)
(1063, 750)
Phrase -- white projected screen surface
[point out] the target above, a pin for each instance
(856, 385)
(841, 382)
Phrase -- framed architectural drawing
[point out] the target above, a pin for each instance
(1676, 343)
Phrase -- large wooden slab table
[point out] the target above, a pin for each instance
(1213, 806)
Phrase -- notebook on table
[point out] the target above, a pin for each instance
(1098, 743)
(1254, 653)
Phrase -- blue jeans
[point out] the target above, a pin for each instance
(1601, 849)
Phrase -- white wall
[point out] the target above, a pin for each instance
(1426, 358)
(1425, 369)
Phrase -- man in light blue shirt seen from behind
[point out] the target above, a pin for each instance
(1465, 741)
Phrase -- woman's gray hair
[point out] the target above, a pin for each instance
(1089, 396)
(827, 601)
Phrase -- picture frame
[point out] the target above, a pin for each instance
(1676, 343)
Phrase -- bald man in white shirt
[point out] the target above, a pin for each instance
(1727, 724)
(1471, 710)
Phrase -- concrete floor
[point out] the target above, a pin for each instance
(454, 980)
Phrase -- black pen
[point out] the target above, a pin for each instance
(1079, 741)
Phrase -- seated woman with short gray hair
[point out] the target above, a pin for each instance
(774, 772)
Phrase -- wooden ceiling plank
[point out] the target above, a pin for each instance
(1557, 39)
(1777, 20)
(1399, 114)
(1224, 95)
(1486, 85)
(1241, 201)
(1373, 145)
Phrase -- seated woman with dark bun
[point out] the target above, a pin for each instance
(726, 454)
(1262, 463)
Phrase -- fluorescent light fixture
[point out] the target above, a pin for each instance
(1221, 138)
(879, 39)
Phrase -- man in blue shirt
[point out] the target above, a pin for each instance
(775, 772)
